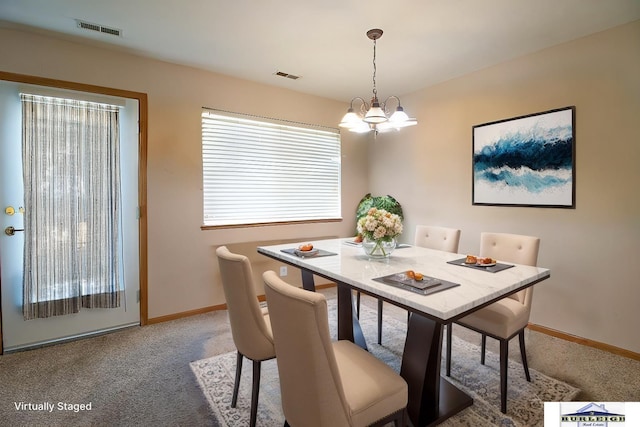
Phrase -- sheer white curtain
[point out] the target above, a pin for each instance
(70, 156)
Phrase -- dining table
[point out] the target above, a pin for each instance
(448, 291)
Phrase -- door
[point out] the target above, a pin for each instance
(18, 333)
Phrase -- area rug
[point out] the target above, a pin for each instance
(525, 403)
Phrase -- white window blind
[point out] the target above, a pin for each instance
(266, 171)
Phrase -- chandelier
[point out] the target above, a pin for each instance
(375, 116)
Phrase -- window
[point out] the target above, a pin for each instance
(258, 171)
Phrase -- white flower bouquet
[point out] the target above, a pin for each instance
(380, 226)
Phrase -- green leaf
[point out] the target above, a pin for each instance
(388, 203)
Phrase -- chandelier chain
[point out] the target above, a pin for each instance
(375, 91)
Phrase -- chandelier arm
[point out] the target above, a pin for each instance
(358, 98)
(363, 107)
(386, 101)
(394, 97)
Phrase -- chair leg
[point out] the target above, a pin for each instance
(379, 322)
(401, 420)
(255, 389)
(448, 359)
(358, 304)
(483, 348)
(504, 360)
(236, 385)
(523, 353)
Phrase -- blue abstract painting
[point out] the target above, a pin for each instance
(528, 161)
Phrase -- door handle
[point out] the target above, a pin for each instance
(10, 231)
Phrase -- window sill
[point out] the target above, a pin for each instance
(266, 224)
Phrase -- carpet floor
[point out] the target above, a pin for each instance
(141, 376)
(525, 403)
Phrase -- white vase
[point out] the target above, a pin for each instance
(378, 249)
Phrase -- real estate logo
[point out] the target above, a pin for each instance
(593, 414)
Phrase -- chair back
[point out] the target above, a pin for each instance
(309, 379)
(440, 238)
(249, 328)
(514, 248)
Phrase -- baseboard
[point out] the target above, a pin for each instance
(211, 308)
(183, 314)
(584, 341)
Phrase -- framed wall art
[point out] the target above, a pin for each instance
(526, 161)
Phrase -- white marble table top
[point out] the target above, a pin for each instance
(353, 267)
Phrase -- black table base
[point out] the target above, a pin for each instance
(432, 399)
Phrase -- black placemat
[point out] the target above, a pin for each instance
(493, 269)
(428, 285)
(319, 253)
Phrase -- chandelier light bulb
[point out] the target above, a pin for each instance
(350, 120)
(399, 116)
(362, 127)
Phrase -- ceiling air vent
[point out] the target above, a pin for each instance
(98, 28)
(287, 75)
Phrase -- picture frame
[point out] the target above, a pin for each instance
(526, 160)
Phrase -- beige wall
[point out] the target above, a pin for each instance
(594, 289)
(183, 273)
(592, 251)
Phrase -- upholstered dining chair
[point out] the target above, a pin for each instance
(432, 237)
(325, 383)
(250, 324)
(508, 317)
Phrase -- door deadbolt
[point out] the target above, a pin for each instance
(10, 231)
(10, 210)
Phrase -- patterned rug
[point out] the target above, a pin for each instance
(524, 405)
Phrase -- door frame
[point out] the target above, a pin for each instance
(141, 97)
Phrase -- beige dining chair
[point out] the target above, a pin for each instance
(250, 325)
(325, 383)
(432, 237)
(508, 317)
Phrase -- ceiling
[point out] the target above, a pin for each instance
(425, 41)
